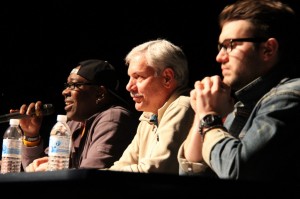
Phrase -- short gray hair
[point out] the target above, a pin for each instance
(161, 54)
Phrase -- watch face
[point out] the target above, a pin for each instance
(211, 120)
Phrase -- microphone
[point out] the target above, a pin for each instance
(47, 109)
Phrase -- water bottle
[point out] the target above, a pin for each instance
(59, 145)
(12, 148)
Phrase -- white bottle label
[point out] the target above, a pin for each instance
(11, 148)
(59, 146)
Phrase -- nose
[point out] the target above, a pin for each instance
(222, 56)
(65, 91)
(129, 85)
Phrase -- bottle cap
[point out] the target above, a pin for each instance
(62, 118)
(14, 121)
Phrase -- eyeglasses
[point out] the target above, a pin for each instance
(73, 85)
(228, 44)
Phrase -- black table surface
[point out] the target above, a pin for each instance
(78, 183)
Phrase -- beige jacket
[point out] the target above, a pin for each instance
(154, 147)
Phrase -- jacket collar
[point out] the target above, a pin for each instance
(258, 87)
(155, 119)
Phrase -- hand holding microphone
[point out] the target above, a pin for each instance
(47, 109)
(30, 116)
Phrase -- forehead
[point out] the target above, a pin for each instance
(236, 29)
(75, 70)
(76, 78)
(139, 65)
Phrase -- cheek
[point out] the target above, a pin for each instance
(144, 86)
(83, 97)
(75, 95)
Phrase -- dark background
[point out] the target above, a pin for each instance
(42, 41)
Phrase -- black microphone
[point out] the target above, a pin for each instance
(47, 109)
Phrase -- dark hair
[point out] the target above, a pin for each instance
(271, 19)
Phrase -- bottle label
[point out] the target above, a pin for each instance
(59, 145)
(11, 148)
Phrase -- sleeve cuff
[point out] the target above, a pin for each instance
(212, 137)
(186, 167)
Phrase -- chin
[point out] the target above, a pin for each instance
(226, 81)
(138, 108)
(70, 115)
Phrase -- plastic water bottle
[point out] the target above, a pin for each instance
(59, 145)
(12, 148)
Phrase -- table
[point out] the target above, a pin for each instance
(87, 183)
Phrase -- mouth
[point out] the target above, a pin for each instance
(136, 97)
(133, 95)
(68, 105)
(225, 71)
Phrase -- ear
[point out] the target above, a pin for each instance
(168, 76)
(270, 49)
(101, 90)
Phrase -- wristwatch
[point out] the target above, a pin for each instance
(209, 122)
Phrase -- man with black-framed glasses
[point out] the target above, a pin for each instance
(229, 44)
(101, 120)
(246, 123)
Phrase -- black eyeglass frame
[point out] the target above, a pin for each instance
(73, 85)
(231, 41)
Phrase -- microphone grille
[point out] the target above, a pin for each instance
(48, 109)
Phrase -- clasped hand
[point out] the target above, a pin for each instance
(211, 96)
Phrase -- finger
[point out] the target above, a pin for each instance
(42, 167)
(38, 105)
(216, 83)
(23, 109)
(30, 109)
(192, 94)
(198, 85)
(29, 168)
(43, 159)
(14, 110)
(206, 83)
(38, 109)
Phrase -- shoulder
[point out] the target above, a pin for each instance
(182, 101)
(74, 125)
(287, 86)
(287, 89)
(117, 109)
(115, 113)
(293, 83)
